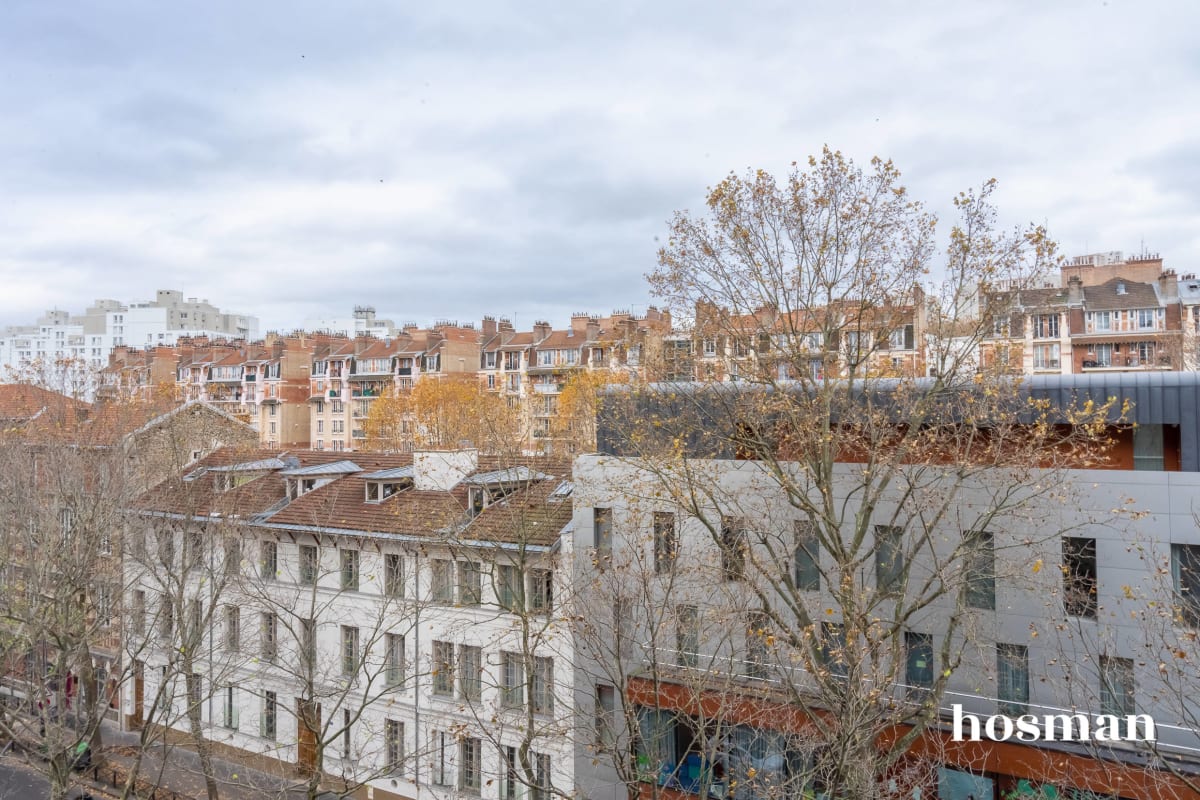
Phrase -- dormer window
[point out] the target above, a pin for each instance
(378, 491)
(298, 487)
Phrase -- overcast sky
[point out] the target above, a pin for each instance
(449, 159)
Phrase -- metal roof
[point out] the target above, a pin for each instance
(251, 466)
(395, 473)
(521, 474)
(332, 468)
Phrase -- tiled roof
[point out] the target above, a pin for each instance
(561, 340)
(532, 515)
(1105, 297)
(22, 401)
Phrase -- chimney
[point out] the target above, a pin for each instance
(441, 470)
(541, 329)
(1075, 290)
(593, 329)
(488, 326)
(1168, 286)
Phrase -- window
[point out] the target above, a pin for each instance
(320, 426)
(396, 665)
(269, 642)
(1101, 320)
(350, 570)
(918, 664)
(509, 782)
(393, 575)
(1116, 686)
(1012, 678)
(137, 615)
(602, 530)
(687, 635)
(807, 565)
(1046, 356)
(543, 686)
(347, 722)
(834, 649)
(268, 560)
(509, 588)
(166, 618)
(980, 569)
(443, 668)
(512, 680)
(470, 583)
(541, 591)
(541, 784)
(1185, 573)
(889, 558)
(233, 628)
(606, 714)
(441, 742)
(233, 557)
(1147, 318)
(267, 726)
(758, 631)
(166, 547)
(470, 672)
(666, 541)
(733, 549)
(1103, 355)
(1045, 326)
(710, 346)
(308, 564)
(1079, 576)
(349, 650)
(471, 757)
(308, 645)
(229, 717)
(195, 689)
(393, 739)
(441, 579)
(1148, 447)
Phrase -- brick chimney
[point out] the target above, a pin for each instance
(541, 329)
(1168, 286)
(488, 327)
(1075, 290)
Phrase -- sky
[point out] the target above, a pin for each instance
(292, 159)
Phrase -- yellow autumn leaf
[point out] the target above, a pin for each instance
(1037, 566)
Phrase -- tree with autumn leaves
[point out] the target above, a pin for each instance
(440, 413)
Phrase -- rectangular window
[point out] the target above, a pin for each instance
(393, 575)
(195, 689)
(918, 664)
(1147, 318)
(471, 765)
(1079, 576)
(308, 564)
(166, 618)
(308, 646)
(393, 739)
(349, 650)
(602, 530)
(541, 782)
(1185, 573)
(470, 672)
(233, 557)
(541, 591)
(1148, 447)
(441, 743)
(509, 783)
(347, 721)
(1116, 686)
(267, 728)
(233, 628)
(666, 541)
(396, 660)
(733, 549)
(443, 668)
(543, 686)
(350, 570)
(1046, 356)
(1012, 678)
(980, 561)
(470, 583)
(441, 577)
(1045, 326)
(687, 635)
(758, 631)
(606, 714)
(509, 588)
(269, 642)
(512, 680)
(889, 558)
(807, 565)
(230, 710)
(268, 560)
(1101, 320)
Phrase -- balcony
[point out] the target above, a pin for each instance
(548, 388)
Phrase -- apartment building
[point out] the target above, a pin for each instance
(90, 337)
(1110, 313)
(397, 621)
(1086, 603)
(531, 368)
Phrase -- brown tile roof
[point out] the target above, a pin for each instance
(23, 401)
(1105, 296)
(561, 340)
(202, 496)
(532, 515)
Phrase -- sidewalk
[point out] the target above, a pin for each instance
(181, 774)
